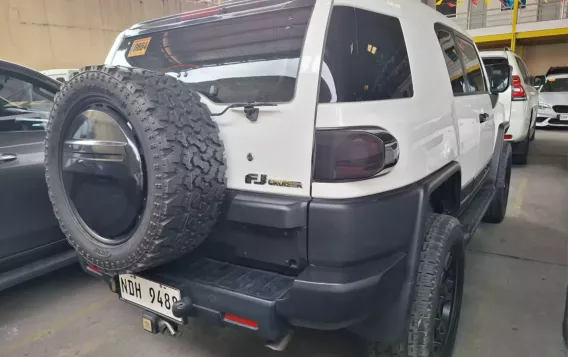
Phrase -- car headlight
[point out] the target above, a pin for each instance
(542, 105)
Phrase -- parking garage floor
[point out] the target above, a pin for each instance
(516, 279)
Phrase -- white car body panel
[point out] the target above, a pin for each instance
(520, 114)
(282, 139)
(431, 133)
(433, 127)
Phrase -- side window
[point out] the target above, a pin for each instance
(365, 58)
(523, 68)
(453, 63)
(472, 63)
(24, 106)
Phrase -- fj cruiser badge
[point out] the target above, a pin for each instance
(260, 179)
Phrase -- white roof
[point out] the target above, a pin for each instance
(494, 54)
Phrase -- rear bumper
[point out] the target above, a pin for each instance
(519, 121)
(318, 298)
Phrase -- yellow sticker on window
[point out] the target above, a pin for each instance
(552, 79)
(139, 47)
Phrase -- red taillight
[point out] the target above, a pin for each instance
(508, 137)
(94, 269)
(518, 90)
(241, 321)
(352, 154)
(199, 14)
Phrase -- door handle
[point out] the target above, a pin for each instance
(483, 117)
(7, 158)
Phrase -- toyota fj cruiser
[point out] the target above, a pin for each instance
(270, 164)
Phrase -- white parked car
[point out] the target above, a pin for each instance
(553, 100)
(520, 100)
(61, 75)
(272, 164)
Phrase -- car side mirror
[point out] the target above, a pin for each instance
(500, 77)
(538, 81)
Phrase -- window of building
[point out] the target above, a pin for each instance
(365, 58)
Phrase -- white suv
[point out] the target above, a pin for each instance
(520, 100)
(271, 164)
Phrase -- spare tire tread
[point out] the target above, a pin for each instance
(188, 165)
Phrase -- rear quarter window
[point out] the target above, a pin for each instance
(365, 58)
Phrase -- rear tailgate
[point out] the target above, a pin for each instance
(269, 53)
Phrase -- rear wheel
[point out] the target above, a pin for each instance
(134, 168)
(437, 303)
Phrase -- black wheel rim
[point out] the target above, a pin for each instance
(447, 313)
(102, 168)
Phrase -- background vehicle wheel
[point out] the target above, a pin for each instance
(498, 207)
(134, 167)
(437, 302)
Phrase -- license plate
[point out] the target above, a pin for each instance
(563, 116)
(149, 295)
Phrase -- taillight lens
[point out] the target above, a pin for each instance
(518, 89)
(353, 154)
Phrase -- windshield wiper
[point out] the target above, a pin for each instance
(251, 109)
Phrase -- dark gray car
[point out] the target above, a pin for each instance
(31, 242)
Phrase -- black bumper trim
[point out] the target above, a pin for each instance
(267, 210)
(325, 298)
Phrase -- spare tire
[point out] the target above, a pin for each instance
(134, 166)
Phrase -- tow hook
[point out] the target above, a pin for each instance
(155, 324)
(164, 325)
(281, 344)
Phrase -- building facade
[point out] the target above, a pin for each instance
(541, 35)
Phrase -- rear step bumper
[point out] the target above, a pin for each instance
(325, 298)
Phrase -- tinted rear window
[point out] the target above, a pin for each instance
(252, 58)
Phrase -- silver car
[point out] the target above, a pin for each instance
(553, 102)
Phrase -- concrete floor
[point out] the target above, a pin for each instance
(515, 287)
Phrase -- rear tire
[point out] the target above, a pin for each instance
(498, 207)
(181, 166)
(437, 302)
